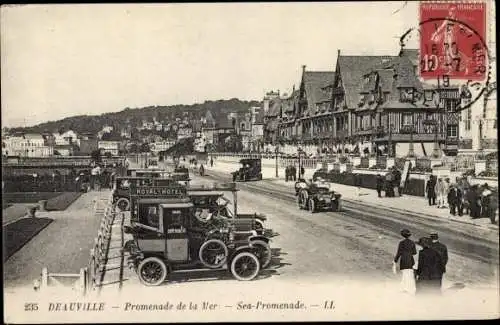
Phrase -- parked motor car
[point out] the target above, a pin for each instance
(251, 169)
(167, 237)
(317, 195)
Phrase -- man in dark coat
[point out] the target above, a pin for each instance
(380, 184)
(442, 251)
(397, 181)
(473, 202)
(455, 200)
(430, 190)
(430, 268)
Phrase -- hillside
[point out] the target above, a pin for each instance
(133, 117)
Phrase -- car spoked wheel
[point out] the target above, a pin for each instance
(312, 206)
(303, 198)
(152, 271)
(245, 266)
(123, 204)
(263, 252)
(213, 253)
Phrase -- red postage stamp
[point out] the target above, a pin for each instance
(453, 40)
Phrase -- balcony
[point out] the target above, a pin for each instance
(365, 131)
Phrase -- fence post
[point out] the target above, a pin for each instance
(45, 277)
(83, 284)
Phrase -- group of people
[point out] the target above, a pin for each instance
(461, 197)
(390, 183)
(427, 276)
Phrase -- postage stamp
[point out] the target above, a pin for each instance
(452, 40)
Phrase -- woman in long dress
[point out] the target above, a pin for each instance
(405, 253)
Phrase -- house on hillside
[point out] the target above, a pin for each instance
(112, 147)
(257, 129)
(66, 138)
(64, 150)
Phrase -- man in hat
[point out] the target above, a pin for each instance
(441, 249)
(455, 200)
(429, 271)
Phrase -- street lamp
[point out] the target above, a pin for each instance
(390, 153)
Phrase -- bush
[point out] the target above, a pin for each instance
(488, 173)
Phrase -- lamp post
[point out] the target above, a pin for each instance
(411, 150)
(276, 149)
(390, 153)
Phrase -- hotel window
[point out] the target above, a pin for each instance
(452, 131)
(468, 118)
(407, 119)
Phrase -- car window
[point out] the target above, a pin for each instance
(149, 215)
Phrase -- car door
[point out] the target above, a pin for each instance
(150, 235)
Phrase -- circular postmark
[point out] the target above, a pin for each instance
(454, 59)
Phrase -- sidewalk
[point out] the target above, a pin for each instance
(404, 204)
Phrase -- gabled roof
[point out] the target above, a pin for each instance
(274, 107)
(290, 102)
(352, 68)
(316, 87)
(411, 54)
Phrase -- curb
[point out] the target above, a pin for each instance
(426, 215)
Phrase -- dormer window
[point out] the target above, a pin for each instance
(406, 94)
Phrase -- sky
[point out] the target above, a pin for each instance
(66, 60)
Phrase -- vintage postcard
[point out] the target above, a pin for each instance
(249, 162)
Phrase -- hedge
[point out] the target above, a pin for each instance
(414, 187)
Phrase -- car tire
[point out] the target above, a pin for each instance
(152, 271)
(303, 198)
(207, 248)
(311, 205)
(123, 204)
(263, 252)
(245, 266)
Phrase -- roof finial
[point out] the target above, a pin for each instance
(303, 68)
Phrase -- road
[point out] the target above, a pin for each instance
(361, 241)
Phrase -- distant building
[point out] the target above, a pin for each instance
(184, 132)
(87, 146)
(113, 147)
(28, 145)
(64, 150)
(66, 138)
(161, 146)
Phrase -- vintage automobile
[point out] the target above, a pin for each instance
(122, 186)
(183, 172)
(168, 236)
(210, 204)
(251, 169)
(317, 195)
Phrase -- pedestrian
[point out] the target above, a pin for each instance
(430, 190)
(429, 270)
(406, 251)
(442, 251)
(455, 200)
(487, 210)
(473, 200)
(389, 190)
(211, 162)
(397, 182)
(380, 184)
(357, 183)
(439, 189)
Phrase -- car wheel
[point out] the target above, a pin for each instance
(245, 266)
(263, 252)
(213, 253)
(152, 271)
(312, 206)
(303, 198)
(123, 204)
